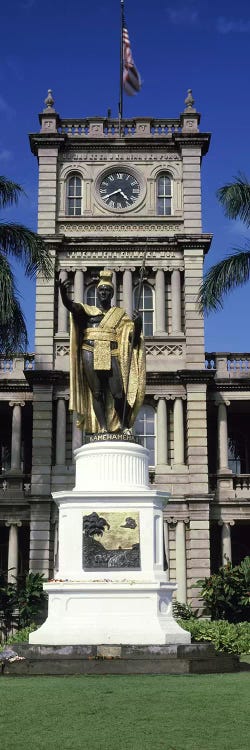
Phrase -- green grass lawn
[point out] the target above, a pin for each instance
(202, 712)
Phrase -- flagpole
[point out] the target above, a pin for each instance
(121, 67)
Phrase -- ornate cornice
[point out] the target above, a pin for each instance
(194, 376)
(134, 143)
(103, 243)
(46, 140)
(195, 241)
(238, 384)
(8, 385)
(47, 377)
(191, 139)
(162, 378)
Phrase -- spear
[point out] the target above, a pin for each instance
(141, 279)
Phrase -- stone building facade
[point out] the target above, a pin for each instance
(194, 420)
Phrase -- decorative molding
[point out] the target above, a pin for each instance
(17, 403)
(155, 350)
(83, 228)
(169, 350)
(62, 350)
(170, 396)
(61, 395)
(168, 268)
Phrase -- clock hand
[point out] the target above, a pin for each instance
(109, 194)
(123, 195)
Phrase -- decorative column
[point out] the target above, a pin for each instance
(226, 544)
(181, 564)
(78, 285)
(62, 311)
(16, 436)
(178, 432)
(128, 292)
(60, 431)
(222, 437)
(162, 434)
(176, 302)
(160, 317)
(13, 550)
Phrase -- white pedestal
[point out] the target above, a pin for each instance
(111, 602)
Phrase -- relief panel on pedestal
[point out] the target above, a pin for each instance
(111, 540)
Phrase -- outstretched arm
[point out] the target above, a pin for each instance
(73, 307)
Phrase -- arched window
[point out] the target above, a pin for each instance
(74, 195)
(146, 308)
(164, 195)
(144, 428)
(91, 298)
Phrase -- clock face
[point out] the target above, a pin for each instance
(119, 190)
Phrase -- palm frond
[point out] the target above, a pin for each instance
(9, 192)
(27, 247)
(7, 290)
(224, 276)
(235, 199)
(13, 333)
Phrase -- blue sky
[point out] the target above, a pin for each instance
(73, 48)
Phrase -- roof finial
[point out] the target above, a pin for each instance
(189, 101)
(49, 102)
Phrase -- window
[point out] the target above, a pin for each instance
(146, 308)
(164, 195)
(91, 298)
(144, 428)
(74, 195)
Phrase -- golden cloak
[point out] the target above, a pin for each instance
(80, 393)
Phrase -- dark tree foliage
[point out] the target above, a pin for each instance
(234, 270)
(16, 241)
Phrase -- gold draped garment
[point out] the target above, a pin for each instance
(114, 326)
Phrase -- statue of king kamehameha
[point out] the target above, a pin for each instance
(107, 361)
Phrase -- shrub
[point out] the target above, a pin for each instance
(227, 593)
(31, 598)
(184, 611)
(21, 602)
(8, 605)
(226, 636)
(21, 636)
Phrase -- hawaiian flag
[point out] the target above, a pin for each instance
(131, 77)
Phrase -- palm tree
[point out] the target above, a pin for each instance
(18, 242)
(234, 270)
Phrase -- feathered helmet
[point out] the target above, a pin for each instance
(105, 278)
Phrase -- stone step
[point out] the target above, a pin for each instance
(105, 659)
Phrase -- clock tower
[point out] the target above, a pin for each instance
(108, 191)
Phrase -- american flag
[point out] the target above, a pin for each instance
(131, 77)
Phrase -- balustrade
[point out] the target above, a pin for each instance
(241, 482)
(98, 127)
(15, 365)
(10, 486)
(228, 364)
